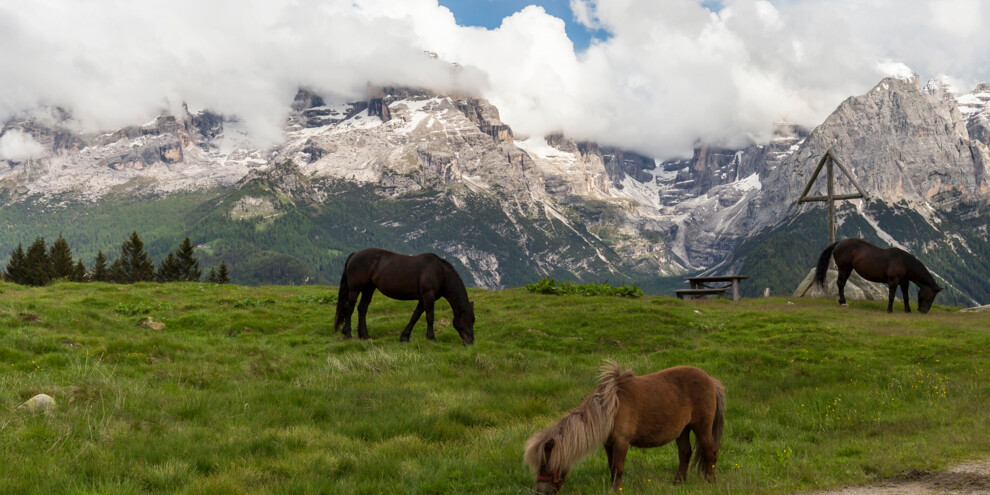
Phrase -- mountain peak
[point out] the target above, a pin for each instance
(942, 87)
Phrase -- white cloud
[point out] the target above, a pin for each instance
(117, 63)
(18, 146)
(957, 17)
(583, 14)
(671, 73)
(895, 70)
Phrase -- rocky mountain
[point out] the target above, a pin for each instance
(508, 211)
(418, 170)
(924, 173)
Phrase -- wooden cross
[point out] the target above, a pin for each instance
(828, 159)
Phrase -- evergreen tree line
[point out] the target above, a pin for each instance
(41, 265)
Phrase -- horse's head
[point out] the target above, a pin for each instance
(548, 481)
(926, 296)
(464, 324)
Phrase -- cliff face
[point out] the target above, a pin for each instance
(618, 163)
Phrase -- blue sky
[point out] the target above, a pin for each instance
(489, 14)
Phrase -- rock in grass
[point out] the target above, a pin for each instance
(40, 403)
(152, 324)
(857, 288)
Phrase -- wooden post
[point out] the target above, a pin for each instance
(846, 171)
(829, 161)
(830, 177)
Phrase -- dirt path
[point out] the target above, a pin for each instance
(965, 479)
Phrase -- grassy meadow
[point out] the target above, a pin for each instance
(248, 390)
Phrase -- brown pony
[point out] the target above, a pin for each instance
(892, 266)
(642, 411)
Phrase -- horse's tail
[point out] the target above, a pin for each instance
(718, 425)
(821, 270)
(338, 318)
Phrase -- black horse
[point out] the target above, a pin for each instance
(892, 266)
(424, 278)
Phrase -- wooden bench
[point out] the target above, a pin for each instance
(702, 286)
(699, 293)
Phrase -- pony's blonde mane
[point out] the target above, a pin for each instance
(583, 429)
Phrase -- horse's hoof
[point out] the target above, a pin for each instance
(844, 305)
(403, 340)
(346, 335)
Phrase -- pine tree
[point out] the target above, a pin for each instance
(169, 269)
(222, 276)
(100, 268)
(37, 271)
(188, 266)
(133, 265)
(79, 272)
(117, 273)
(16, 266)
(212, 277)
(60, 265)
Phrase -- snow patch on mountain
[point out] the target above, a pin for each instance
(644, 193)
(538, 147)
(750, 183)
(973, 103)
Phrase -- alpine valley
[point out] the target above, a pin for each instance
(416, 170)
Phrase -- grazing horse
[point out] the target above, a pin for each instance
(642, 411)
(892, 266)
(424, 278)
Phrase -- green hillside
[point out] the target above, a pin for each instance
(295, 240)
(247, 390)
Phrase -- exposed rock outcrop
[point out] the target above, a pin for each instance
(485, 116)
(378, 108)
(618, 163)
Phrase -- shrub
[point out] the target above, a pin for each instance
(547, 285)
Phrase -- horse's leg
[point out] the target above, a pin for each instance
(890, 298)
(905, 287)
(428, 301)
(608, 453)
(619, 450)
(412, 322)
(363, 311)
(683, 455)
(844, 273)
(352, 297)
(707, 452)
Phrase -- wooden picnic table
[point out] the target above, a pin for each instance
(700, 285)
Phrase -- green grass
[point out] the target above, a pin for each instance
(248, 390)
